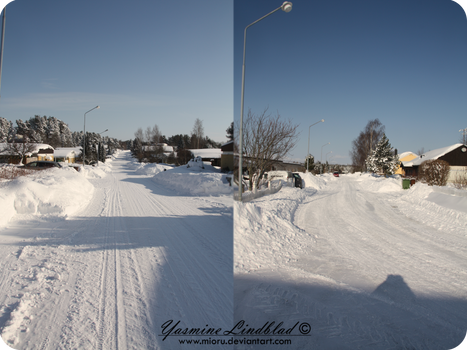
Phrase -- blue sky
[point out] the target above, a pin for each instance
(144, 62)
(348, 62)
(170, 62)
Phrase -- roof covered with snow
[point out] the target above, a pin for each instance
(165, 148)
(430, 155)
(66, 151)
(206, 152)
(406, 155)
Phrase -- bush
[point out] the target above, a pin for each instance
(434, 172)
(460, 180)
(10, 172)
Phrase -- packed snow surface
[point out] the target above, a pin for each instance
(102, 258)
(362, 262)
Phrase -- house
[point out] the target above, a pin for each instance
(31, 151)
(455, 155)
(158, 152)
(212, 155)
(404, 157)
(67, 154)
(227, 156)
(7, 155)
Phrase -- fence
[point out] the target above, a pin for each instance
(274, 187)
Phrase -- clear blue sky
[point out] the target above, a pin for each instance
(144, 62)
(348, 62)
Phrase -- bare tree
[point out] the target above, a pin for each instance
(197, 134)
(155, 135)
(148, 135)
(20, 149)
(463, 138)
(421, 151)
(366, 142)
(266, 140)
(139, 134)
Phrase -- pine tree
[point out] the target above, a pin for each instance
(310, 160)
(66, 136)
(383, 159)
(6, 130)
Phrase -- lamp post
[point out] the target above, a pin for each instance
(321, 167)
(3, 39)
(327, 156)
(84, 136)
(308, 154)
(286, 7)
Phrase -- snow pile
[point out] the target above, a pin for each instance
(314, 181)
(58, 192)
(148, 168)
(196, 164)
(194, 180)
(427, 204)
(265, 236)
(377, 183)
(97, 172)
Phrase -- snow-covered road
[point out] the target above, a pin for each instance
(357, 265)
(111, 275)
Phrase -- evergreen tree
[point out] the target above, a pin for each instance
(311, 163)
(66, 137)
(6, 130)
(383, 159)
(230, 132)
(53, 137)
(38, 129)
(77, 139)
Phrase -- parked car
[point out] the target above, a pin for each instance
(293, 179)
(45, 164)
(336, 174)
(41, 165)
(297, 180)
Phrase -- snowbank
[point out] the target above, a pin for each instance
(317, 182)
(57, 192)
(265, 236)
(377, 183)
(194, 180)
(427, 204)
(148, 168)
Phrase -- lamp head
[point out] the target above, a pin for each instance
(287, 6)
(322, 120)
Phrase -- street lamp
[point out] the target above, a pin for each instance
(84, 136)
(286, 7)
(327, 156)
(308, 154)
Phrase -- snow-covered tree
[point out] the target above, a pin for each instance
(53, 132)
(6, 130)
(382, 159)
(66, 136)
